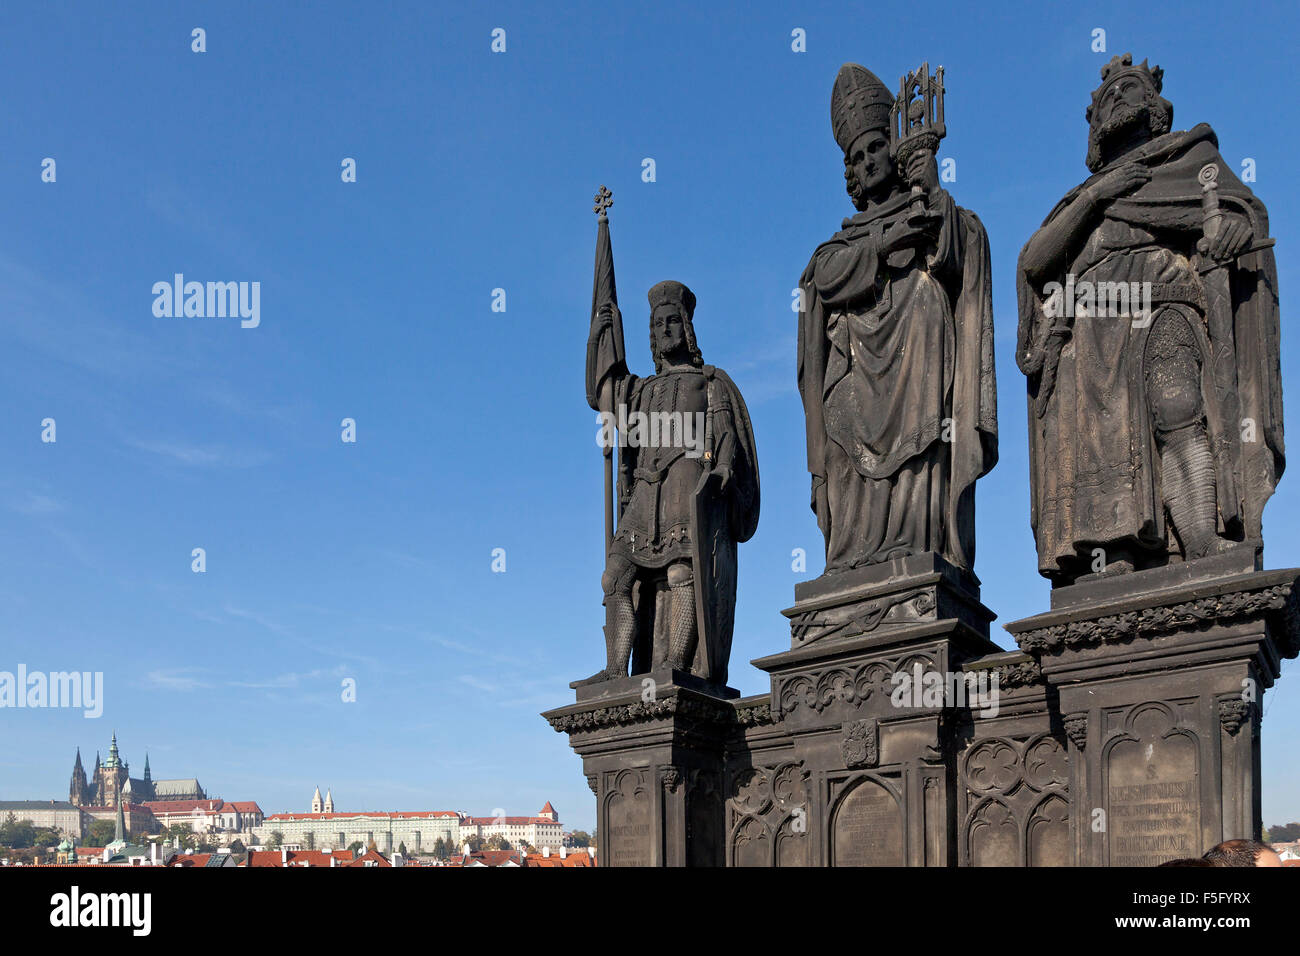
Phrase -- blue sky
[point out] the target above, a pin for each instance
(475, 171)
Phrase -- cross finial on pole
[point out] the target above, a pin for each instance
(603, 200)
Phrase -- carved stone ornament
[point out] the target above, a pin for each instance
(672, 778)
(1234, 713)
(860, 743)
(1076, 728)
(1152, 621)
(755, 715)
(642, 711)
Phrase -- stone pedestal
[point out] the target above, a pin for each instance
(878, 765)
(1159, 676)
(1125, 731)
(652, 747)
(921, 589)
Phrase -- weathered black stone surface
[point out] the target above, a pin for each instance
(1125, 728)
(687, 487)
(1159, 693)
(896, 339)
(1155, 428)
(885, 596)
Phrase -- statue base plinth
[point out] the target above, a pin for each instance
(622, 686)
(843, 771)
(1159, 676)
(652, 748)
(887, 597)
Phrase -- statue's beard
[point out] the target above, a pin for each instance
(685, 351)
(1121, 125)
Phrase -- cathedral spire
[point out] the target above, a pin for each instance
(329, 800)
(316, 802)
(147, 778)
(77, 790)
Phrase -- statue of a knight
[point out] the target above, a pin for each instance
(688, 491)
(896, 345)
(1155, 430)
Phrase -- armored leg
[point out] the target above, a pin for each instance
(1173, 375)
(683, 630)
(620, 617)
(1189, 489)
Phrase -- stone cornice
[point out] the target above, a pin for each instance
(595, 716)
(1227, 607)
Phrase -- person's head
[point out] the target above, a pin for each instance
(868, 168)
(1243, 853)
(672, 334)
(860, 106)
(1126, 110)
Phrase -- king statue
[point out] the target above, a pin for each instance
(1149, 335)
(688, 492)
(896, 340)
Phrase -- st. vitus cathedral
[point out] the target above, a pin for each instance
(111, 783)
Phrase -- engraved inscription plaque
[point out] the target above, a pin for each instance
(868, 828)
(630, 833)
(1153, 811)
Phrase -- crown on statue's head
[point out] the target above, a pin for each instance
(1120, 67)
(672, 292)
(859, 104)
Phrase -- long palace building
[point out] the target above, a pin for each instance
(418, 829)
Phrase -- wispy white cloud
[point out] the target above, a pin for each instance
(200, 456)
(291, 680)
(175, 679)
(288, 634)
(33, 504)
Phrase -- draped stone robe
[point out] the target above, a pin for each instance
(897, 378)
(1094, 470)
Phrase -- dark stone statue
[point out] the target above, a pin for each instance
(688, 491)
(1149, 334)
(896, 341)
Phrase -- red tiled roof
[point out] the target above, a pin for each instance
(377, 814)
(370, 857)
(548, 808)
(297, 857)
(165, 807)
(491, 857)
(245, 806)
(126, 808)
(575, 858)
(511, 821)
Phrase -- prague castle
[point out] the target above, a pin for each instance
(111, 784)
